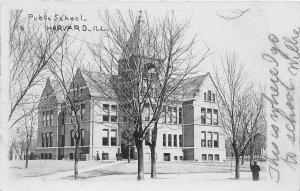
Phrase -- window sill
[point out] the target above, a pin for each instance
(209, 101)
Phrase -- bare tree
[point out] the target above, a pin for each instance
(126, 131)
(241, 110)
(28, 125)
(146, 60)
(23, 133)
(253, 119)
(233, 15)
(32, 45)
(13, 139)
(64, 67)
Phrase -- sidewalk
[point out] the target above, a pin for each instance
(60, 175)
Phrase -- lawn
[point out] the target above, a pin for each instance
(181, 167)
(45, 167)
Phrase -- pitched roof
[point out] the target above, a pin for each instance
(191, 86)
(92, 80)
(52, 93)
(58, 91)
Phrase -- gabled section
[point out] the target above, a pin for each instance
(49, 97)
(97, 83)
(190, 87)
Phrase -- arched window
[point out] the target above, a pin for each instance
(209, 95)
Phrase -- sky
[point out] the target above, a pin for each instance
(247, 36)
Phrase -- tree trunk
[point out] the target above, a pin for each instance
(128, 157)
(237, 166)
(10, 153)
(153, 162)
(242, 163)
(26, 158)
(251, 153)
(152, 149)
(139, 146)
(76, 159)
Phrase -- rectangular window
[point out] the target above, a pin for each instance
(180, 115)
(51, 139)
(113, 107)
(209, 116)
(106, 108)
(124, 119)
(106, 111)
(175, 114)
(169, 140)
(175, 140)
(46, 155)
(51, 117)
(42, 156)
(170, 114)
(72, 137)
(50, 155)
(216, 139)
(164, 139)
(216, 117)
(113, 138)
(43, 139)
(63, 140)
(205, 98)
(167, 157)
(44, 118)
(82, 112)
(203, 115)
(47, 139)
(72, 118)
(210, 157)
(105, 118)
(113, 115)
(71, 156)
(165, 114)
(209, 95)
(217, 157)
(105, 137)
(214, 97)
(180, 140)
(203, 139)
(113, 118)
(204, 157)
(175, 157)
(180, 157)
(82, 137)
(47, 118)
(63, 117)
(209, 139)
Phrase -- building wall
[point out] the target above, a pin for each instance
(199, 103)
(98, 125)
(173, 150)
(97, 119)
(48, 103)
(193, 150)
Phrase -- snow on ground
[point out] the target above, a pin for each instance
(172, 176)
(167, 182)
(46, 167)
